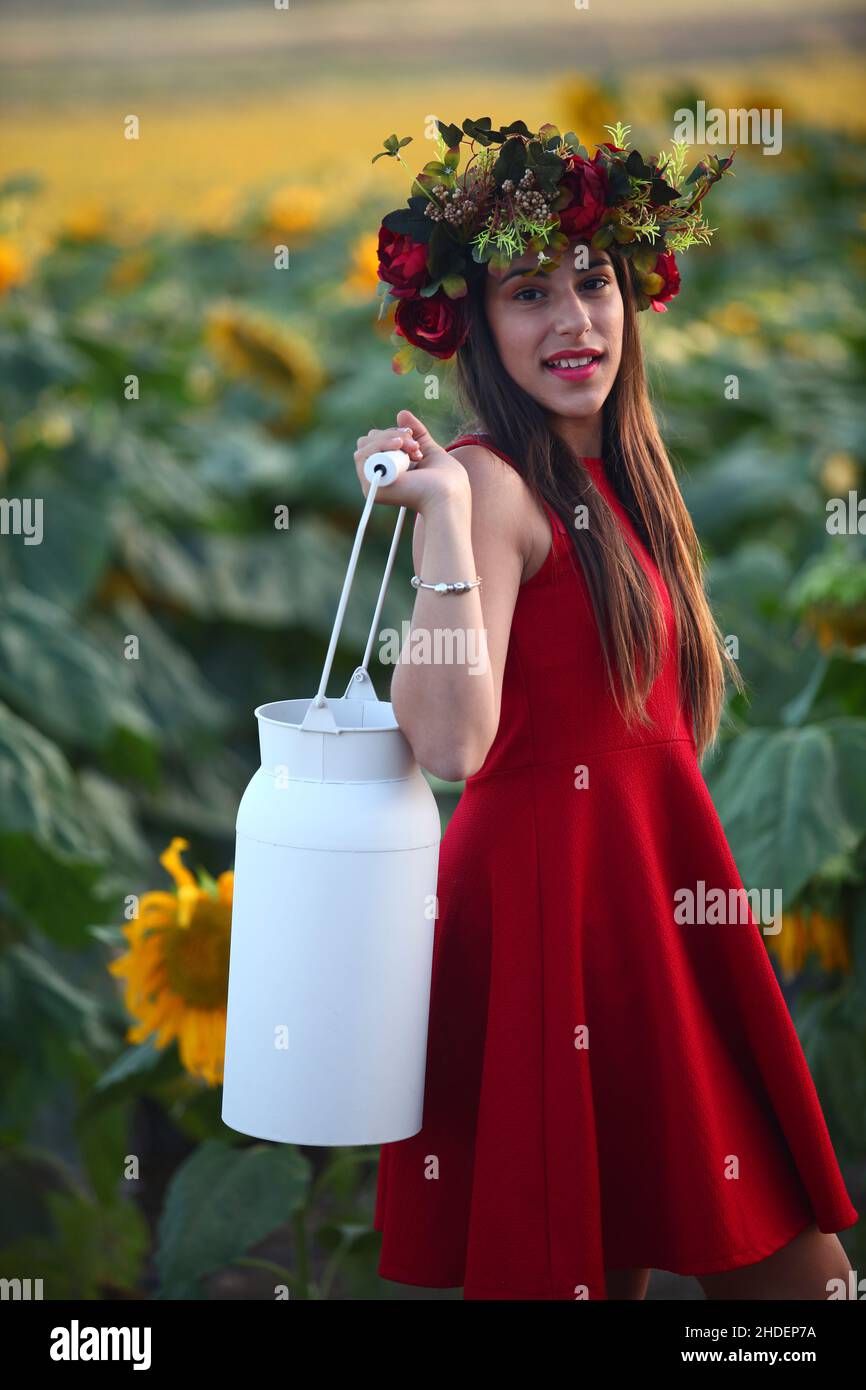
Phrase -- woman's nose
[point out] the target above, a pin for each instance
(571, 316)
(573, 325)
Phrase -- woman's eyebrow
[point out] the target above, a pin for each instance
(527, 271)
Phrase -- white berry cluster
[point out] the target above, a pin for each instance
(456, 205)
(534, 204)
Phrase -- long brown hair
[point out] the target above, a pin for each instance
(626, 606)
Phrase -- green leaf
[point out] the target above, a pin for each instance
(603, 237)
(644, 258)
(134, 1069)
(206, 881)
(93, 1248)
(167, 682)
(780, 797)
(76, 691)
(451, 134)
(510, 163)
(661, 193)
(201, 794)
(349, 1235)
(235, 458)
(836, 685)
(28, 1176)
(834, 579)
(51, 849)
(17, 184)
(480, 131)
(276, 579)
(38, 879)
(455, 286)
(748, 482)
(410, 221)
(404, 359)
(221, 1202)
(392, 145)
(849, 741)
(61, 1003)
(836, 1037)
(75, 548)
(637, 168)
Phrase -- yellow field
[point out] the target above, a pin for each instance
(201, 154)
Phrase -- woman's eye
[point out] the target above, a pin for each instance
(593, 282)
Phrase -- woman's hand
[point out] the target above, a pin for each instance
(433, 474)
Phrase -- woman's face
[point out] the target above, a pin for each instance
(566, 315)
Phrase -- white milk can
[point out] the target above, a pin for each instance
(334, 908)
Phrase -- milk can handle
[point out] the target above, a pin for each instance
(380, 470)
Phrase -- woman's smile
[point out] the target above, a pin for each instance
(573, 365)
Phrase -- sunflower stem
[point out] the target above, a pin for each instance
(302, 1261)
(331, 1268)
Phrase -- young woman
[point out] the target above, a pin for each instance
(610, 1088)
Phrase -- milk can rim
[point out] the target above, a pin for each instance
(343, 729)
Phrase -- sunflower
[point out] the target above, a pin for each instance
(839, 474)
(804, 932)
(217, 210)
(827, 936)
(130, 270)
(833, 624)
(294, 211)
(790, 945)
(13, 268)
(281, 361)
(177, 966)
(87, 221)
(587, 108)
(736, 317)
(363, 274)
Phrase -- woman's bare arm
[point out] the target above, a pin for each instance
(448, 704)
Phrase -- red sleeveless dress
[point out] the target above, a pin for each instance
(604, 1087)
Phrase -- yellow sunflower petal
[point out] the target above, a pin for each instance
(225, 886)
(188, 896)
(170, 859)
(828, 938)
(790, 946)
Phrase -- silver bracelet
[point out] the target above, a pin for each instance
(442, 588)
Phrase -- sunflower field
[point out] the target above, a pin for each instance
(179, 413)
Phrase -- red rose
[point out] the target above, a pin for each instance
(587, 182)
(436, 323)
(402, 263)
(666, 267)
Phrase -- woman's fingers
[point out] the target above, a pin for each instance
(410, 443)
(379, 440)
(421, 438)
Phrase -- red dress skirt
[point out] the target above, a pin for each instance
(604, 1086)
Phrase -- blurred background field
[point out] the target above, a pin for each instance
(236, 95)
(155, 258)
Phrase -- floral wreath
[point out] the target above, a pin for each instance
(529, 192)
